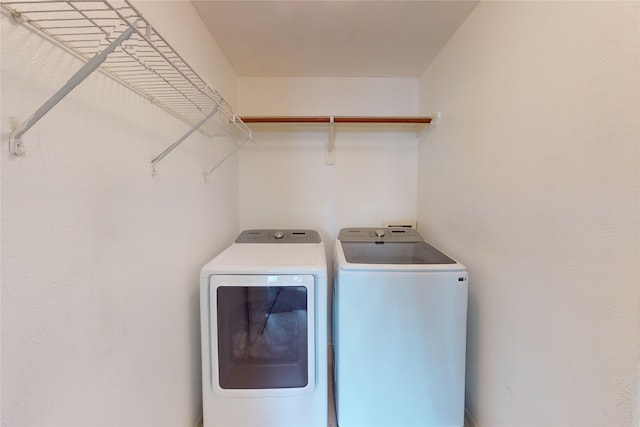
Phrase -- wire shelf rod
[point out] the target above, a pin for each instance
(75, 80)
(224, 159)
(173, 146)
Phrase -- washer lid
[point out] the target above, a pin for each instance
(390, 234)
(393, 245)
(393, 253)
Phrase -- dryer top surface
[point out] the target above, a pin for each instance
(269, 257)
(280, 236)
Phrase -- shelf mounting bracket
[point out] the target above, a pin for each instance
(15, 144)
(330, 156)
(173, 146)
(435, 119)
(239, 146)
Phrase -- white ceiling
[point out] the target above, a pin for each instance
(308, 38)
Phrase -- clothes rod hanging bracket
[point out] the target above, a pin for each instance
(435, 119)
(330, 156)
(16, 146)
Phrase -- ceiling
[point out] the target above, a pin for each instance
(307, 38)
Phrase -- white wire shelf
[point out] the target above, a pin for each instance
(113, 35)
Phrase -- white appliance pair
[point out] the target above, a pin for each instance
(399, 331)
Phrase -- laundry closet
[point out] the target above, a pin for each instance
(528, 172)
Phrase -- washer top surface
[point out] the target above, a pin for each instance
(369, 235)
(389, 246)
(394, 253)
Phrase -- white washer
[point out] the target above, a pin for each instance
(263, 306)
(400, 312)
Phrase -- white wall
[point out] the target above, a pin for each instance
(532, 180)
(284, 181)
(100, 259)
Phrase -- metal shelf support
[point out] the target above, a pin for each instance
(173, 146)
(146, 63)
(15, 144)
(224, 159)
(330, 155)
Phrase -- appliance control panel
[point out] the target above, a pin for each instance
(279, 236)
(391, 234)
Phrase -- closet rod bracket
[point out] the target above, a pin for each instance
(330, 156)
(435, 119)
(15, 144)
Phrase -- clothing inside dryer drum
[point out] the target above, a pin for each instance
(393, 253)
(262, 336)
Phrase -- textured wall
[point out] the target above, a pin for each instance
(100, 260)
(532, 180)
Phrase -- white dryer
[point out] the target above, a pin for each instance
(400, 313)
(263, 306)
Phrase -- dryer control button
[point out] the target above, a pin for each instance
(278, 234)
(380, 232)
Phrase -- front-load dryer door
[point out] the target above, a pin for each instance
(262, 334)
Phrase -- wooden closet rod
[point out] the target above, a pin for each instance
(336, 119)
